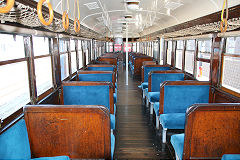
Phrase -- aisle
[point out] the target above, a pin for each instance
(136, 137)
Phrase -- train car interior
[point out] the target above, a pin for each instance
(119, 79)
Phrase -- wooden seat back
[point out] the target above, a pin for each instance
(75, 131)
(212, 130)
(138, 62)
(88, 93)
(111, 60)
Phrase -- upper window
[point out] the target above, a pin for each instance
(14, 93)
(64, 61)
(189, 56)
(179, 54)
(80, 55)
(73, 56)
(231, 65)
(204, 49)
(169, 52)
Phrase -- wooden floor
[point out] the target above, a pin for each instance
(136, 137)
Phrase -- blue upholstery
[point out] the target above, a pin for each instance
(146, 91)
(88, 95)
(115, 98)
(153, 96)
(177, 141)
(101, 68)
(14, 143)
(96, 77)
(178, 98)
(112, 121)
(144, 85)
(148, 69)
(116, 85)
(173, 120)
(231, 157)
(158, 78)
(53, 158)
(112, 145)
(156, 108)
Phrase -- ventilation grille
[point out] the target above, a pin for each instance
(92, 5)
(172, 5)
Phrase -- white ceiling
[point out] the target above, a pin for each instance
(152, 16)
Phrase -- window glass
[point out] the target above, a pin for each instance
(169, 52)
(72, 45)
(40, 46)
(64, 66)
(231, 73)
(43, 71)
(190, 45)
(11, 47)
(180, 44)
(74, 62)
(189, 61)
(203, 70)
(233, 45)
(63, 46)
(179, 54)
(14, 92)
(204, 49)
(86, 52)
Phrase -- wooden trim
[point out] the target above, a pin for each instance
(42, 56)
(230, 91)
(231, 55)
(203, 60)
(12, 61)
(45, 94)
(184, 54)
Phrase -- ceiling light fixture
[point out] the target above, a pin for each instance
(133, 5)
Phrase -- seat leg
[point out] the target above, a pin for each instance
(164, 135)
(147, 101)
(157, 122)
(151, 107)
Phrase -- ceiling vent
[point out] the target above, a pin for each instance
(172, 5)
(92, 5)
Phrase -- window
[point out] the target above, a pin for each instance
(231, 65)
(73, 56)
(203, 60)
(80, 55)
(64, 59)
(169, 52)
(14, 91)
(43, 64)
(86, 51)
(179, 54)
(189, 56)
(155, 50)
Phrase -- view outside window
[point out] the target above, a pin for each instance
(80, 56)
(14, 91)
(73, 56)
(179, 54)
(231, 65)
(64, 59)
(189, 56)
(169, 52)
(43, 64)
(204, 52)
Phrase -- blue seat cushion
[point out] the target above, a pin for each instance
(231, 157)
(116, 85)
(112, 120)
(14, 143)
(144, 85)
(177, 142)
(153, 96)
(173, 120)
(53, 158)
(112, 145)
(115, 98)
(156, 108)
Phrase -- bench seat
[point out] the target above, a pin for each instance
(14, 144)
(173, 120)
(153, 97)
(177, 142)
(231, 157)
(144, 85)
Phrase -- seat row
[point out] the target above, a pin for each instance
(81, 127)
(173, 99)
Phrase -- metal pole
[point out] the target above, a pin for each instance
(127, 54)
